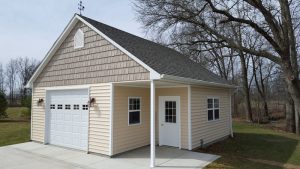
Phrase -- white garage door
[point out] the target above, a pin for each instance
(68, 118)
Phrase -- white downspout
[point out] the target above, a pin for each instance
(152, 139)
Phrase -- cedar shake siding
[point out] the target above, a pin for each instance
(97, 62)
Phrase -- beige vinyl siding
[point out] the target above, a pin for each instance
(127, 137)
(99, 122)
(97, 62)
(183, 93)
(38, 115)
(99, 117)
(209, 131)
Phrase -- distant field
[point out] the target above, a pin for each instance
(16, 128)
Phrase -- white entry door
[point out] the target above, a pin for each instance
(169, 120)
(68, 118)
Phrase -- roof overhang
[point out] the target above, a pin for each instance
(191, 81)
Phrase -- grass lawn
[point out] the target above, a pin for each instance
(16, 128)
(18, 113)
(256, 147)
(14, 132)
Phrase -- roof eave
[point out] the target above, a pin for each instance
(196, 81)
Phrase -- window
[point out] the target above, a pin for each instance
(59, 106)
(76, 106)
(213, 110)
(134, 111)
(52, 106)
(67, 107)
(79, 39)
(85, 107)
(170, 111)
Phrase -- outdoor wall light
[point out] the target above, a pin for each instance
(40, 101)
(92, 101)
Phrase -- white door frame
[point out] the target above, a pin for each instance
(47, 109)
(160, 110)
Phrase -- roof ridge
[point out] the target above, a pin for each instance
(156, 43)
(158, 57)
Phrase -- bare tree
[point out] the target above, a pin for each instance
(2, 79)
(11, 77)
(274, 22)
(25, 68)
(263, 70)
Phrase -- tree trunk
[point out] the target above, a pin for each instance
(266, 112)
(246, 88)
(294, 91)
(290, 114)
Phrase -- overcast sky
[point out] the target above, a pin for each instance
(30, 27)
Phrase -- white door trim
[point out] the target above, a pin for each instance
(160, 99)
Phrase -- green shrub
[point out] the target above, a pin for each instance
(25, 112)
(26, 102)
(3, 105)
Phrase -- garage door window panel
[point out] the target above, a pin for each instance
(67, 107)
(52, 106)
(85, 107)
(76, 106)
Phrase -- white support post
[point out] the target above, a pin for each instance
(152, 139)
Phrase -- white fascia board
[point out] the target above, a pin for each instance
(52, 50)
(153, 74)
(195, 81)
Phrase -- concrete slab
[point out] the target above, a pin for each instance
(38, 156)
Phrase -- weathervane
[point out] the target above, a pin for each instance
(80, 7)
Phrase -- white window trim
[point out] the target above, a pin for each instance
(134, 110)
(79, 31)
(213, 108)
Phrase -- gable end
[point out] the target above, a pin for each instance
(98, 61)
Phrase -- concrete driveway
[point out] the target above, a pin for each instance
(38, 156)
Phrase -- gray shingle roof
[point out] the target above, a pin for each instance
(162, 59)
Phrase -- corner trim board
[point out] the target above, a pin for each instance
(189, 118)
(111, 119)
